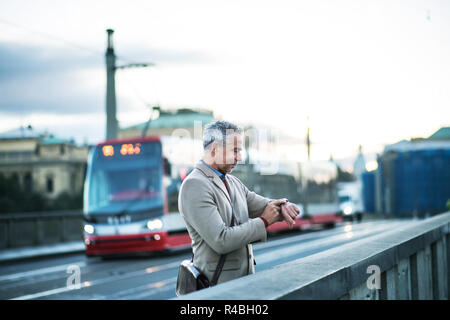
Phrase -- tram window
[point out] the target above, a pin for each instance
(344, 198)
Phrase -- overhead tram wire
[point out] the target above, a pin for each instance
(153, 107)
(52, 37)
(84, 48)
(72, 44)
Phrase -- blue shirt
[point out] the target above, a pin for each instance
(220, 174)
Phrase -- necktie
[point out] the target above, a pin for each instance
(225, 183)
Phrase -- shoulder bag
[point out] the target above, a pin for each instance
(190, 279)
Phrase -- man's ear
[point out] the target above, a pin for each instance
(213, 148)
(217, 152)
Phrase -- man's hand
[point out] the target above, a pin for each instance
(272, 211)
(289, 212)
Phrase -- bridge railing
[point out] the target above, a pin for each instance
(37, 228)
(410, 262)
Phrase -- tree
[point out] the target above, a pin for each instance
(345, 176)
(15, 199)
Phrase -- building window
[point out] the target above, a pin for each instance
(49, 184)
(14, 155)
(28, 182)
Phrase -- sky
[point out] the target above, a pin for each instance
(367, 73)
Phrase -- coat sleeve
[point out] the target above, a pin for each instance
(255, 203)
(198, 209)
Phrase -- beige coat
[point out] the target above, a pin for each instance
(205, 206)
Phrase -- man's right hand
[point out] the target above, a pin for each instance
(272, 211)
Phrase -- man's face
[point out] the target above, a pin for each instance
(227, 156)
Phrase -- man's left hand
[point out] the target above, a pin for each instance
(289, 212)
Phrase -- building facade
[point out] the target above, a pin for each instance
(43, 163)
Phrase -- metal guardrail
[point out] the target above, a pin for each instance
(38, 228)
(410, 262)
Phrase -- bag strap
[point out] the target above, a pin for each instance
(221, 262)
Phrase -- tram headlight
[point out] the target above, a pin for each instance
(89, 228)
(348, 210)
(155, 224)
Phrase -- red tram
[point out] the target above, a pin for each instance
(125, 199)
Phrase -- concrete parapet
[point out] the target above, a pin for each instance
(410, 262)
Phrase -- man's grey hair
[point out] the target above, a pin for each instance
(217, 131)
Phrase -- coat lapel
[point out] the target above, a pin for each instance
(231, 193)
(214, 177)
(218, 182)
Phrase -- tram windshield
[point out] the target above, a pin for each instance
(124, 177)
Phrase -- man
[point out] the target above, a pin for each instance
(209, 199)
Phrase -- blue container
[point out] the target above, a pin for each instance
(368, 191)
(417, 181)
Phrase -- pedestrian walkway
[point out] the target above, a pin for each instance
(12, 254)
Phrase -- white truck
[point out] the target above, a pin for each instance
(350, 200)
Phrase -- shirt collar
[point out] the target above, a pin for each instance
(220, 174)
